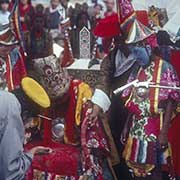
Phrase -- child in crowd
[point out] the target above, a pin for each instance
(4, 12)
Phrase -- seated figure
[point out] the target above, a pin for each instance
(81, 148)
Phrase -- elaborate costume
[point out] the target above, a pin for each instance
(86, 150)
(150, 108)
(142, 151)
(11, 54)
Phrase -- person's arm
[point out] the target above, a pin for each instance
(163, 136)
(106, 73)
(101, 95)
(14, 161)
(125, 131)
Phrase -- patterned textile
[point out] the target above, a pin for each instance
(175, 143)
(175, 54)
(126, 13)
(64, 161)
(94, 144)
(142, 151)
(15, 69)
(142, 16)
(72, 160)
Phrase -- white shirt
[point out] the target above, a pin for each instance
(4, 17)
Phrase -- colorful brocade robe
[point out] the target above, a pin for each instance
(85, 148)
(12, 70)
(142, 151)
(15, 69)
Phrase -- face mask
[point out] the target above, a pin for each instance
(142, 55)
(53, 77)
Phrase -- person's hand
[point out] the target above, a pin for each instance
(163, 140)
(84, 177)
(40, 150)
(22, 19)
(124, 135)
(95, 112)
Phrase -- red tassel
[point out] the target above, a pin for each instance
(68, 58)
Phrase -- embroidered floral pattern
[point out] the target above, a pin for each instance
(142, 148)
(126, 8)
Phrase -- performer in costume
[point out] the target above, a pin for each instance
(85, 149)
(115, 70)
(150, 109)
(11, 54)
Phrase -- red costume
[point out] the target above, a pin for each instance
(174, 129)
(84, 148)
(24, 11)
(12, 59)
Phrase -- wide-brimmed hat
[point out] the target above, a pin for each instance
(35, 92)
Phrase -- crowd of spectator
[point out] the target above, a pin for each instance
(41, 23)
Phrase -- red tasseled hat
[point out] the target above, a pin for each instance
(124, 23)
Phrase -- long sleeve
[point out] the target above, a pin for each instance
(102, 91)
(13, 160)
(106, 73)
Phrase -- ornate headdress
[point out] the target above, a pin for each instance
(52, 70)
(125, 22)
(53, 77)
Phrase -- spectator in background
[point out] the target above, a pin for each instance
(54, 14)
(26, 11)
(81, 21)
(38, 42)
(92, 3)
(71, 15)
(95, 14)
(4, 13)
(84, 7)
(98, 11)
(110, 5)
(64, 4)
(107, 42)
